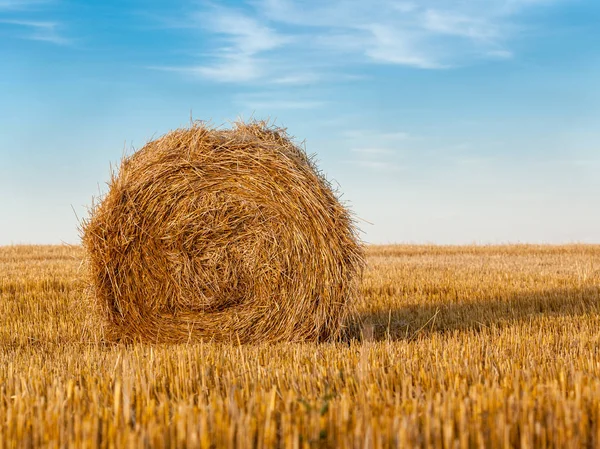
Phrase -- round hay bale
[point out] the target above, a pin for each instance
(222, 235)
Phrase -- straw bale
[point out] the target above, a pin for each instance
(222, 235)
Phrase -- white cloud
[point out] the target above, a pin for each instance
(500, 54)
(430, 34)
(231, 67)
(283, 104)
(450, 23)
(405, 6)
(242, 39)
(15, 5)
(293, 42)
(275, 101)
(393, 46)
(45, 31)
(30, 23)
(9, 5)
(245, 34)
(298, 78)
(379, 166)
(370, 136)
(516, 6)
(373, 151)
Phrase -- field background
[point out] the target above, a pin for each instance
(456, 347)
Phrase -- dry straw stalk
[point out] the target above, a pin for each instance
(222, 235)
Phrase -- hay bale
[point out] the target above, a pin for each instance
(222, 235)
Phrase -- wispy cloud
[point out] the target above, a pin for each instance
(500, 54)
(373, 151)
(44, 31)
(453, 24)
(259, 102)
(379, 166)
(395, 46)
(16, 5)
(370, 136)
(283, 104)
(427, 34)
(28, 19)
(241, 39)
(8, 5)
(297, 79)
(292, 42)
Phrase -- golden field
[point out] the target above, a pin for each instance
(456, 347)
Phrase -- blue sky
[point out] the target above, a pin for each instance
(450, 121)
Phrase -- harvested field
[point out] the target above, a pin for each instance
(458, 347)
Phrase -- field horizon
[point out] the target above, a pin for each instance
(451, 346)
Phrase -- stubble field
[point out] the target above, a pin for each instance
(453, 347)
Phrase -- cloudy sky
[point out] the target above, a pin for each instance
(443, 121)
